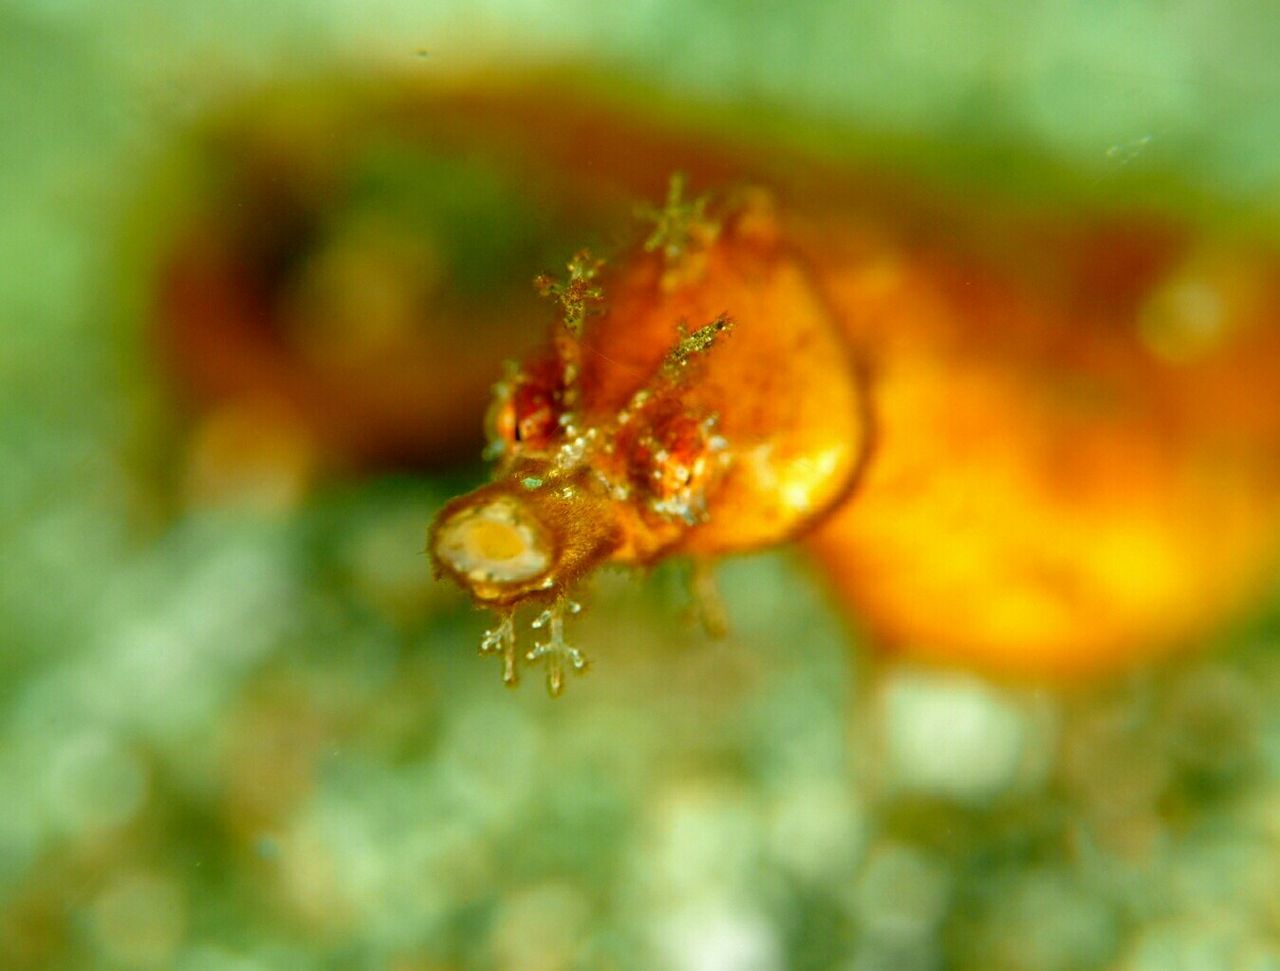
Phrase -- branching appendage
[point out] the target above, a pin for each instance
(502, 640)
(672, 449)
(579, 297)
(675, 365)
(555, 649)
(690, 345)
(678, 223)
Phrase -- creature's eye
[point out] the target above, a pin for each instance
(526, 409)
(535, 414)
(672, 463)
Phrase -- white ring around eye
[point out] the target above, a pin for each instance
(497, 542)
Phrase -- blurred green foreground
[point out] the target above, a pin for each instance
(241, 729)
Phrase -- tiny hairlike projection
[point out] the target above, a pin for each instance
(1037, 452)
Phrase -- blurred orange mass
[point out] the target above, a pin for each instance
(1040, 441)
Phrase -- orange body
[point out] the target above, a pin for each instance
(1033, 447)
(1073, 467)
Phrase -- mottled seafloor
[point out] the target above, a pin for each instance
(235, 740)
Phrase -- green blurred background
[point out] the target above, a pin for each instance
(241, 729)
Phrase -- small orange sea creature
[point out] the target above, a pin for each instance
(1035, 446)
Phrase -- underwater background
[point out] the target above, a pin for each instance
(241, 728)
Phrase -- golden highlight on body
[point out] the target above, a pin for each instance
(1004, 454)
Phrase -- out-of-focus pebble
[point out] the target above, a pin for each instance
(950, 735)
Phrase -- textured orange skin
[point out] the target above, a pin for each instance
(1003, 470)
(792, 455)
(1047, 495)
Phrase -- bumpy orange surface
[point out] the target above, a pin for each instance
(1035, 446)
